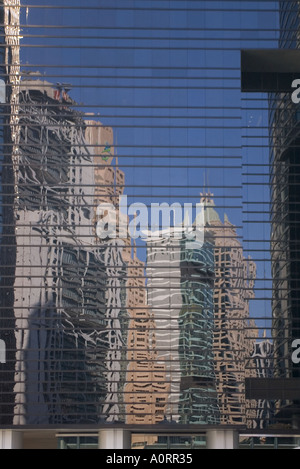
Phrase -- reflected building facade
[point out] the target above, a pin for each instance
(146, 389)
(262, 362)
(198, 397)
(74, 296)
(108, 186)
(180, 293)
(200, 298)
(140, 387)
(60, 277)
(234, 331)
(165, 300)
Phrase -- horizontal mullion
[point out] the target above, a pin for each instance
(136, 277)
(118, 146)
(112, 106)
(71, 185)
(112, 116)
(132, 48)
(150, 288)
(127, 77)
(138, 328)
(133, 166)
(88, 116)
(121, 126)
(153, 28)
(124, 126)
(116, 66)
(140, 38)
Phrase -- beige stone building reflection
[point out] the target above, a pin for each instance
(109, 181)
(145, 389)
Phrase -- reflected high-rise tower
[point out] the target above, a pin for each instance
(146, 389)
(165, 300)
(108, 186)
(198, 394)
(9, 135)
(60, 275)
(200, 299)
(180, 293)
(137, 386)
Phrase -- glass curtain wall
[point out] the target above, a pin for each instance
(143, 281)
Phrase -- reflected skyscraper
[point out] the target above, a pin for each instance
(139, 389)
(165, 301)
(60, 277)
(234, 331)
(108, 186)
(146, 389)
(180, 292)
(198, 397)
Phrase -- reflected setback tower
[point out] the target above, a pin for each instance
(198, 398)
(234, 332)
(60, 276)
